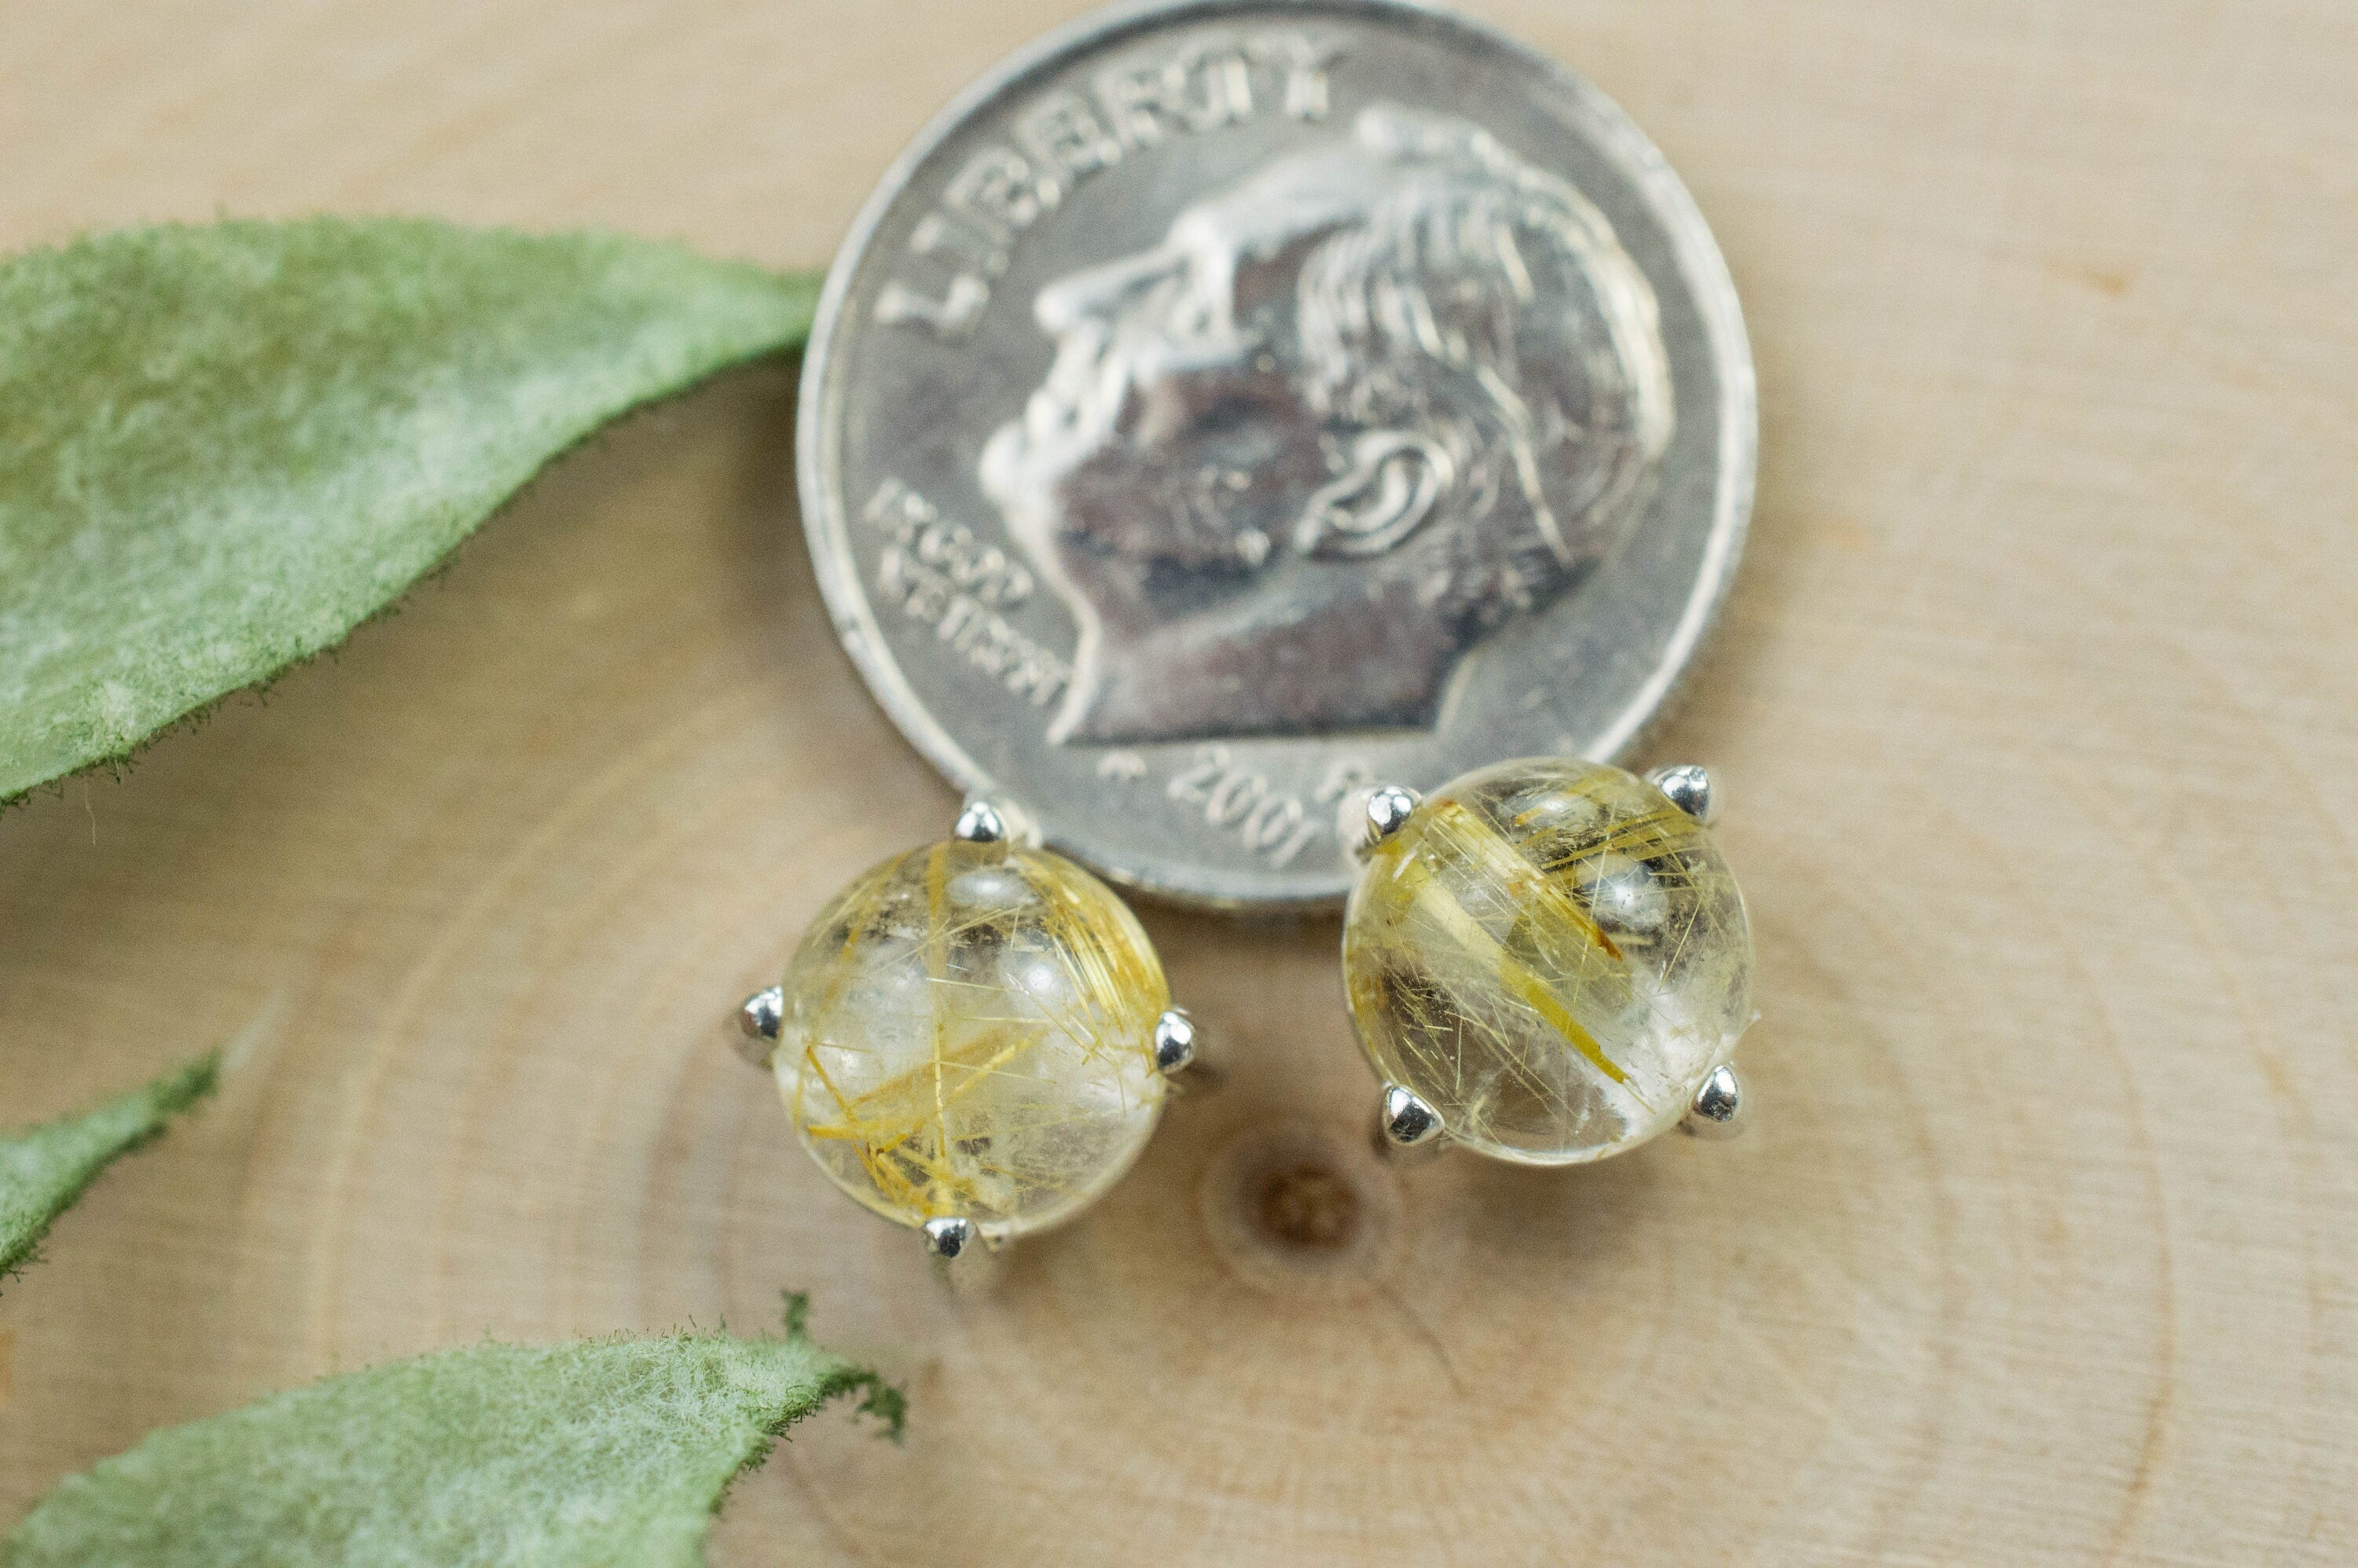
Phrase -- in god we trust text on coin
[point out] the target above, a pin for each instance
(1225, 406)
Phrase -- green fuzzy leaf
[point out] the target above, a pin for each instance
(608, 1452)
(44, 1168)
(222, 447)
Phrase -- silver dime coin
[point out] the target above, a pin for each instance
(1226, 404)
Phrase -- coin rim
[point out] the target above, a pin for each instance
(1694, 247)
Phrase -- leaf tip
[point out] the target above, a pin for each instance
(888, 1403)
(178, 1090)
(54, 1164)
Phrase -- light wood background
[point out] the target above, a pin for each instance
(2037, 703)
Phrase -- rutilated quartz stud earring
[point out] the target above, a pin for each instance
(1548, 962)
(974, 1038)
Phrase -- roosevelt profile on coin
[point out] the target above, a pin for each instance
(1361, 406)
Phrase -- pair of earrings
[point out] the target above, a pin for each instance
(1546, 961)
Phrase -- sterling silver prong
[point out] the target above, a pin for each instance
(981, 823)
(1406, 1127)
(950, 1240)
(1717, 1106)
(1689, 787)
(1174, 1043)
(967, 1260)
(758, 1023)
(1388, 810)
(984, 820)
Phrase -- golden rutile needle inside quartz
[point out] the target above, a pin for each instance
(968, 1030)
(1552, 956)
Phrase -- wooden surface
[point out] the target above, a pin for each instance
(2037, 705)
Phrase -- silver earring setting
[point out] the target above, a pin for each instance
(1548, 962)
(974, 1038)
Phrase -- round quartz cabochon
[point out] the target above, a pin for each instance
(968, 1030)
(1553, 955)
